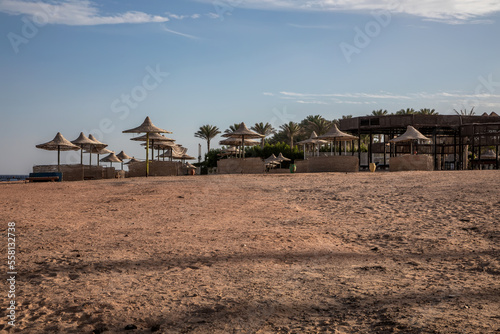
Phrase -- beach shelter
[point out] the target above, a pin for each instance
(98, 146)
(281, 158)
(244, 133)
(272, 158)
(148, 128)
(410, 135)
(313, 139)
(230, 151)
(95, 150)
(132, 161)
(334, 135)
(155, 140)
(238, 142)
(123, 156)
(111, 158)
(271, 161)
(59, 143)
(84, 142)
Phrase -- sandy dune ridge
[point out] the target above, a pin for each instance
(407, 252)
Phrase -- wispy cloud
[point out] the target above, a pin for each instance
(182, 17)
(311, 102)
(323, 27)
(386, 98)
(178, 33)
(446, 11)
(267, 94)
(73, 12)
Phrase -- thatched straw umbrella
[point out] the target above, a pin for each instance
(122, 156)
(98, 146)
(83, 142)
(410, 135)
(244, 133)
(59, 143)
(238, 142)
(95, 150)
(111, 158)
(132, 161)
(154, 140)
(148, 128)
(334, 134)
(313, 139)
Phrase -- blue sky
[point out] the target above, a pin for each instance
(102, 66)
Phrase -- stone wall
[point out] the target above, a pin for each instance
(411, 162)
(241, 166)
(76, 173)
(344, 164)
(156, 168)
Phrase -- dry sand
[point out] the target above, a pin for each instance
(408, 252)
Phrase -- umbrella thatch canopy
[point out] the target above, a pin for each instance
(148, 128)
(98, 145)
(410, 134)
(186, 157)
(230, 151)
(83, 142)
(272, 158)
(123, 156)
(152, 137)
(111, 158)
(490, 154)
(59, 143)
(280, 157)
(244, 133)
(335, 135)
(238, 142)
(313, 139)
(132, 161)
(156, 140)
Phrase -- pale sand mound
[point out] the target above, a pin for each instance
(408, 252)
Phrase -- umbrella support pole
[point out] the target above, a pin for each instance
(59, 159)
(147, 154)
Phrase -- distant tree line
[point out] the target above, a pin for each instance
(287, 135)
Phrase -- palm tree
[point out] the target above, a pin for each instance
(427, 111)
(316, 123)
(465, 112)
(232, 128)
(263, 129)
(379, 112)
(291, 130)
(408, 111)
(207, 132)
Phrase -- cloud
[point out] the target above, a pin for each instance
(446, 11)
(182, 17)
(72, 12)
(267, 94)
(311, 102)
(178, 33)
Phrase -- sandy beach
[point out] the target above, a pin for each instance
(407, 252)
